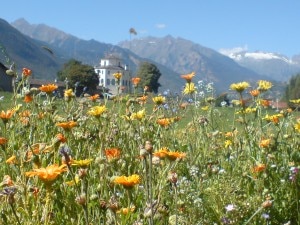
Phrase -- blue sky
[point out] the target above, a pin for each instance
(265, 25)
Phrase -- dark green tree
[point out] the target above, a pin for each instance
(149, 75)
(293, 88)
(78, 74)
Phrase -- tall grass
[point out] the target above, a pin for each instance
(130, 162)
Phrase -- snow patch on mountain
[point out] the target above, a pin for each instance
(241, 53)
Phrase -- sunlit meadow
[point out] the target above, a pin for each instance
(148, 159)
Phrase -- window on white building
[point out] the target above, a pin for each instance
(108, 81)
(113, 82)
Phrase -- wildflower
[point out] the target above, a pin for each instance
(35, 191)
(48, 174)
(112, 153)
(230, 207)
(266, 204)
(295, 101)
(61, 138)
(76, 180)
(135, 81)
(81, 163)
(26, 72)
(6, 115)
(264, 143)
(259, 168)
(265, 102)
(239, 87)
(254, 92)
(143, 99)
(164, 122)
(205, 108)
(28, 98)
(264, 85)
(172, 177)
(188, 77)
(138, 115)
(67, 125)
(93, 98)
(228, 143)
(296, 126)
(159, 100)
(97, 111)
(49, 88)
(127, 210)
(273, 118)
(128, 182)
(189, 88)
(3, 141)
(69, 94)
(175, 155)
(117, 75)
(11, 160)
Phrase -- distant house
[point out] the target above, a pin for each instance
(108, 66)
(5, 80)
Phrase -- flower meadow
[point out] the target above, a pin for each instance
(148, 159)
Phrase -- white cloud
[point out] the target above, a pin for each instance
(231, 51)
(161, 26)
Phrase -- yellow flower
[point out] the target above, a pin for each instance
(189, 89)
(97, 110)
(295, 101)
(159, 100)
(11, 160)
(49, 88)
(69, 93)
(128, 182)
(127, 210)
(76, 180)
(273, 118)
(188, 77)
(117, 75)
(228, 143)
(239, 87)
(175, 155)
(162, 153)
(48, 174)
(81, 163)
(138, 115)
(264, 85)
(297, 126)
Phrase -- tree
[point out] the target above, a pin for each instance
(78, 74)
(149, 75)
(293, 88)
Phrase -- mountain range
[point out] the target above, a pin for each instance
(39, 46)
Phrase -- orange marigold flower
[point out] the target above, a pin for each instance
(264, 143)
(254, 92)
(67, 125)
(6, 115)
(11, 160)
(127, 210)
(93, 98)
(128, 182)
(61, 138)
(49, 88)
(48, 174)
(188, 77)
(176, 155)
(3, 141)
(143, 99)
(259, 168)
(26, 72)
(265, 103)
(162, 153)
(164, 122)
(136, 80)
(25, 113)
(112, 153)
(28, 98)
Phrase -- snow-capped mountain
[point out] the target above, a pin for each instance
(274, 65)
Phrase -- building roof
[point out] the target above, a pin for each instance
(110, 67)
(44, 82)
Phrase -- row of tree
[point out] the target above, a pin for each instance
(77, 74)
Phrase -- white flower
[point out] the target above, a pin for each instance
(230, 207)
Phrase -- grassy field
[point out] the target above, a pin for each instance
(150, 161)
